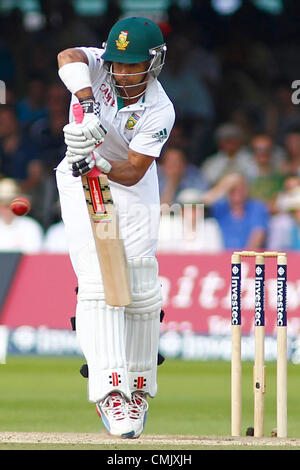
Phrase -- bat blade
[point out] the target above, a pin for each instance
(105, 226)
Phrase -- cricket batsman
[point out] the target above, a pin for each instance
(128, 113)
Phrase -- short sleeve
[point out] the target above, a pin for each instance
(94, 58)
(154, 131)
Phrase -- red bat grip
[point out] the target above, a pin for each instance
(79, 115)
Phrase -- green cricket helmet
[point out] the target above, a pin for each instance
(132, 40)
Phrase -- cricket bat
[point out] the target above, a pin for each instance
(104, 221)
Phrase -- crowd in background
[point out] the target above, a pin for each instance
(234, 152)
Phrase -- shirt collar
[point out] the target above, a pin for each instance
(149, 98)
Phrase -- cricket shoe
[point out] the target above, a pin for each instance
(114, 413)
(137, 412)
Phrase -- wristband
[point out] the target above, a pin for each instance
(88, 104)
(76, 76)
(86, 98)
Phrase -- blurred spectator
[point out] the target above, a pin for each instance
(189, 229)
(19, 157)
(291, 183)
(22, 234)
(66, 26)
(284, 228)
(7, 64)
(232, 156)
(282, 113)
(16, 44)
(193, 100)
(248, 119)
(182, 81)
(268, 180)
(279, 232)
(249, 67)
(291, 165)
(41, 60)
(32, 106)
(175, 173)
(55, 239)
(10, 95)
(178, 137)
(243, 220)
(280, 224)
(47, 134)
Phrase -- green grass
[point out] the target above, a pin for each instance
(49, 395)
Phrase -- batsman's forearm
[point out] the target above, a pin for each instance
(124, 173)
(85, 93)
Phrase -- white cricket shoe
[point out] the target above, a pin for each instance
(137, 412)
(114, 413)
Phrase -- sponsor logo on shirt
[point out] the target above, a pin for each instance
(161, 135)
(108, 98)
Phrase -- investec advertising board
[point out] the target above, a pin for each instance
(196, 292)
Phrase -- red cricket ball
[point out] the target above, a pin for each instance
(20, 206)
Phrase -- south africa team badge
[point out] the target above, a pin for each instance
(132, 120)
(122, 42)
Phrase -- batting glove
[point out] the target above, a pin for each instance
(83, 166)
(83, 138)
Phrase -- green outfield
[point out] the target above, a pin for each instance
(49, 395)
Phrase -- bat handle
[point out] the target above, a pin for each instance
(79, 115)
